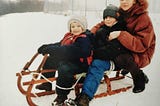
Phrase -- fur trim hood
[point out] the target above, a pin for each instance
(143, 3)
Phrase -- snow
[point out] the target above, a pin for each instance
(22, 33)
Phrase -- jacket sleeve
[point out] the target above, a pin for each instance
(96, 27)
(81, 48)
(141, 39)
(54, 44)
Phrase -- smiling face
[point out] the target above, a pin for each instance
(76, 28)
(127, 4)
(110, 21)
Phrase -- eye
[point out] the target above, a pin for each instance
(78, 25)
(72, 26)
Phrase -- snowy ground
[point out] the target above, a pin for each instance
(22, 34)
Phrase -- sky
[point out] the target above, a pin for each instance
(22, 33)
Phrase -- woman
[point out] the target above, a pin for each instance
(139, 39)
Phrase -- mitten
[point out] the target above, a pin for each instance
(102, 33)
(42, 49)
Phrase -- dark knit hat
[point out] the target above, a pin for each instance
(111, 10)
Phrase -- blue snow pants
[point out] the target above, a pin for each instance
(94, 76)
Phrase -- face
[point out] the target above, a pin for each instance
(110, 21)
(127, 4)
(76, 28)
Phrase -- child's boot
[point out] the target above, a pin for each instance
(47, 86)
(59, 101)
(82, 100)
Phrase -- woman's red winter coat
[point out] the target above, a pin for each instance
(139, 37)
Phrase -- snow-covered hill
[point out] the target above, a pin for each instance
(21, 35)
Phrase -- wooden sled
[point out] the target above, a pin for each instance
(26, 87)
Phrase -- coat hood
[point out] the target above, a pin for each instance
(143, 3)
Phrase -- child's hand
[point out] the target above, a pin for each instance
(114, 35)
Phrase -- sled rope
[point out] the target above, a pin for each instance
(70, 88)
(112, 67)
(45, 78)
(40, 75)
(35, 95)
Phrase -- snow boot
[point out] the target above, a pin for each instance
(146, 78)
(59, 101)
(70, 102)
(47, 86)
(82, 100)
(125, 72)
(139, 83)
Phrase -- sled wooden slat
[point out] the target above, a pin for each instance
(27, 65)
(29, 95)
(19, 84)
(25, 73)
(39, 81)
(44, 93)
(109, 90)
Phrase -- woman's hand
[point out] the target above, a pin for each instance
(114, 35)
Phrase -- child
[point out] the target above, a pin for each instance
(72, 54)
(104, 48)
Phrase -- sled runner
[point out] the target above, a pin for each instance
(33, 78)
(27, 86)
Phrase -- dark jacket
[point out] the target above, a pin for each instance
(140, 37)
(78, 48)
(105, 49)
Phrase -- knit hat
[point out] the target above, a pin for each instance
(111, 10)
(80, 19)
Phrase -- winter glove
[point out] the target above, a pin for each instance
(43, 49)
(102, 33)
